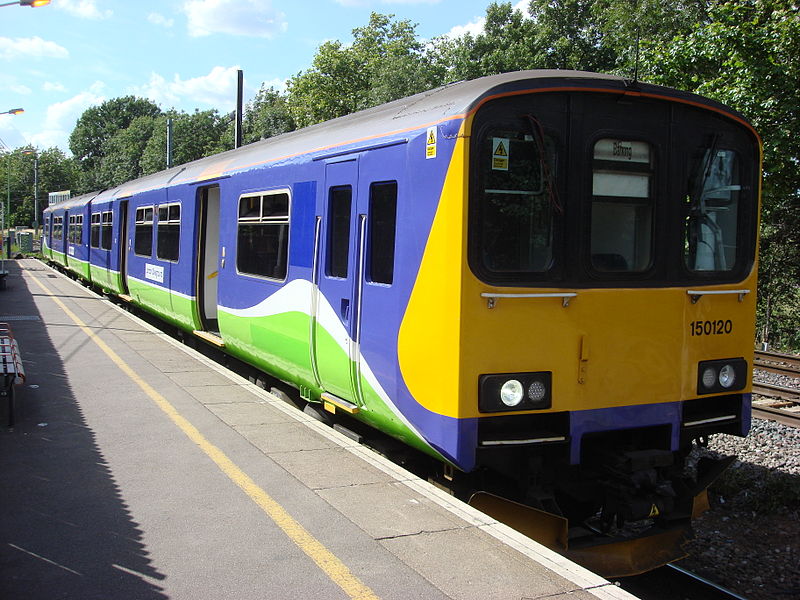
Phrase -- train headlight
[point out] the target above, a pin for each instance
(537, 391)
(514, 391)
(709, 377)
(727, 375)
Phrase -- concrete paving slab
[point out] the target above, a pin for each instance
(323, 469)
(221, 395)
(177, 366)
(237, 414)
(493, 572)
(402, 511)
(283, 437)
(205, 378)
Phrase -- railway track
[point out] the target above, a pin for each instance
(774, 362)
(670, 582)
(778, 402)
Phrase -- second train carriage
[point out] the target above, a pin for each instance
(544, 277)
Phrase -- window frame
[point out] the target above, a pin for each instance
(75, 229)
(334, 235)
(657, 211)
(107, 226)
(369, 270)
(95, 227)
(143, 221)
(504, 114)
(266, 221)
(169, 222)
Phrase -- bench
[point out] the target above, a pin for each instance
(11, 370)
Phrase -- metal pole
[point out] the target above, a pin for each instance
(36, 195)
(8, 206)
(169, 143)
(239, 97)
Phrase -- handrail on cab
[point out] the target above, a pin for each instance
(565, 297)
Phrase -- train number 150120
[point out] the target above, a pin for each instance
(718, 327)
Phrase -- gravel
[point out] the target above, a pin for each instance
(749, 542)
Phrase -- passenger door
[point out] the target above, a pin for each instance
(336, 309)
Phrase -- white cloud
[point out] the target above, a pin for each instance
(278, 84)
(34, 47)
(477, 25)
(159, 19)
(473, 28)
(20, 89)
(255, 18)
(85, 9)
(216, 90)
(61, 117)
(53, 86)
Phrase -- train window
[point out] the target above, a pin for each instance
(75, 232)
(57, 228)
(95, 230)
(622, 208)
(169, 232)
(382, 230)
(711, 208)
(516, 199)
(143, 232)
(263, 235)
(106, 223)
(339, 231)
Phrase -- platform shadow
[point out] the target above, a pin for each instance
(65, 530)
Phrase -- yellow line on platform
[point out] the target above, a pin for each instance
(324, 558)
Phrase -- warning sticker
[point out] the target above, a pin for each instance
(500, 152)
(430, 143)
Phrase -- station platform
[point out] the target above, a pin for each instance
(138, 468)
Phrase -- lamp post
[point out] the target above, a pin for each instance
(31, 3)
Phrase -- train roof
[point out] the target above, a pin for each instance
(71, 202)
(392, 119)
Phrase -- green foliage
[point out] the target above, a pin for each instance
(96, 126)
(122, 153)
(194, 136)
(266, 116)
(385, 62)
(56, 172)
(747, 55)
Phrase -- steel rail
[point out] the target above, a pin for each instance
(783, 364)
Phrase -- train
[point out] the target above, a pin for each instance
(543, 280)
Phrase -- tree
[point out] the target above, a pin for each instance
(99, 124)
(123, 152)
(194, 136)
(266, 116)
(747, 55)
(507, 43)
(56, 172)
(385, 62)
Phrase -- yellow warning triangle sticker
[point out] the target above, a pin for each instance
(431, 137)
(654, 511)
(500, 150)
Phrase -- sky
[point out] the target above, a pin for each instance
(58, 60)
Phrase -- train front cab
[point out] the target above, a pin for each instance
(606, 313)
